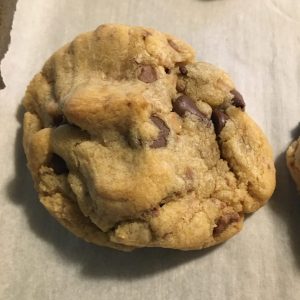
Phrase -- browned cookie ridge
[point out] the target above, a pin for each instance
(132, 143)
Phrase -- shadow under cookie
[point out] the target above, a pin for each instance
(286, 204)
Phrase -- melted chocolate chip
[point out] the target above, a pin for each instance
(224, 221)
(238, 100)
(183, 70)
(184, 104)
(147, 74)
(167, 70)
(164, 131)
(219, 120)
(58, 165)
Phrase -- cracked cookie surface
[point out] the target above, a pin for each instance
(132, 143)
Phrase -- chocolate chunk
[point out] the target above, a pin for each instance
(147, 74)
(237, 100)
(58, 165)
(219, 120)
(167, 70)
(224, 221)
(183, 70)
(184, 104)
(164, 131)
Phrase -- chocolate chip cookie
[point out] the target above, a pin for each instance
(132, 143)
(293, 161)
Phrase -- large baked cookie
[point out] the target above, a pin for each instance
(293, 161)
(131, 143)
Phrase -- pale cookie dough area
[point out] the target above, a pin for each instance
(132, 143)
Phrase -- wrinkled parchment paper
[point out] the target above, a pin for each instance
(7, 9)
(258, 43)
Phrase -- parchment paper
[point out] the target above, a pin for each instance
(258, 43)
(7, 9)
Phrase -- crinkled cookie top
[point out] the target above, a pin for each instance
(131, 143)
